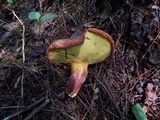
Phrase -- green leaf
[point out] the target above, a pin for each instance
(138, 112)
(10, 1)
(48, 16)
(34, 16)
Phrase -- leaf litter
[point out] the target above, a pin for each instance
(110, 89)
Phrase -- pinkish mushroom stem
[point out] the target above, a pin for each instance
(77, 78)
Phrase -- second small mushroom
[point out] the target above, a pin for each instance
(93, 46)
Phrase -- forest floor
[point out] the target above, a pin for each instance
(32, 88)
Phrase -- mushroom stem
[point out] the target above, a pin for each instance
(77, 78)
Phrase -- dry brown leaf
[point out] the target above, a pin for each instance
(151, 95)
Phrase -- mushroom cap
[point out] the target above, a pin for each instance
(91, 47)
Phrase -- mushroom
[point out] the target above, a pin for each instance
(93, 46)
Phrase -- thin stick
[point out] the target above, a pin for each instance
(22, 88)
(23, 35)
(24, 110)
(151, 44)
(11, 107)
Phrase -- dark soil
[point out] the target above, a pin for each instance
(31, 88)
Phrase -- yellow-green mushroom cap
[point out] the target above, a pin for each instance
(93, 46)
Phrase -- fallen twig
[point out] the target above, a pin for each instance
(157, 37)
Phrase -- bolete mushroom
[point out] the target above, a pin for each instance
(93, 46)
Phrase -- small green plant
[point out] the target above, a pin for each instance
(10, 2)
(37, 16)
